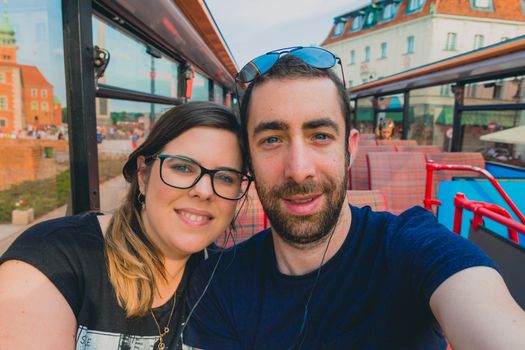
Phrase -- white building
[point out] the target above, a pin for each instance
(391, 36)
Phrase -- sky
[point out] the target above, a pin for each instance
(254, 27)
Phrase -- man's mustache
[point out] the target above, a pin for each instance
(293, 188)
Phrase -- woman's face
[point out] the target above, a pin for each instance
(386, 132)
(184, 221)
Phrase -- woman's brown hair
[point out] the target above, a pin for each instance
(132, 260)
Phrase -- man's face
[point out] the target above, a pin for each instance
(296, 133)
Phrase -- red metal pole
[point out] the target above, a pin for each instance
(458, 212)
(488, 210)
(492, 180)
(428, 186)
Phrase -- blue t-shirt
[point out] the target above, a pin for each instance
(372, 294)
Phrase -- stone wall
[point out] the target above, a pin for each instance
(25, 159)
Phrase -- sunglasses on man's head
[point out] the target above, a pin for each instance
(313, 56)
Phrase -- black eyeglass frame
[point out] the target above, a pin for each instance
(162, 157)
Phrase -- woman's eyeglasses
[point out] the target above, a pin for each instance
(183, 173)
(313, 56)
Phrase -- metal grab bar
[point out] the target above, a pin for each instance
(431, 166)
(489, 210)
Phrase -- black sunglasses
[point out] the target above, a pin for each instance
(313, 56)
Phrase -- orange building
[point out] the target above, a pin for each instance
(26, 97)
(37, 96)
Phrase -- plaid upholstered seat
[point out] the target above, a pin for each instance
(422, 149)
(373, 198)
(400, 176)
(358, 173)
(251, 219)
(367, 142)
(454, 158)
(397, 142)
(367, 136)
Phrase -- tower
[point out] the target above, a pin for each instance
(7, 39)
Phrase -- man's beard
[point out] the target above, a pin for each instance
(308, 230)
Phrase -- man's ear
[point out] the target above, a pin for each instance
(142, 174)
(353, 141)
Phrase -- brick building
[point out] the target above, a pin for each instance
(26, 97)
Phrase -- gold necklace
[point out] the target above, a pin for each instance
(166, 329)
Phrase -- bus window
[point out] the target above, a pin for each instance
(430, 117)
(201, 88)
(123, 127)
(482, 132)
(365, 116)
(151, 74)
(34, 161)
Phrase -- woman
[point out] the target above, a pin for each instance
(97, 282)
(385, 129)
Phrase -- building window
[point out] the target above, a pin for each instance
(478, 41)
(339, 28)
(498, 88)
(43, 93)
(44, 106)
(103, 106)
(445, 90)
(350, 83)
(3, 103)
(410, 44)
(2, 78)
(415, 5)
(34, 106)
(34, 92)
(352, 57)
(481, 4)
(357, 23)
(389, 12)
(367, 54)
(3, 123)
(383, 50)
(451, 42)
(370, 19)
(472, 90)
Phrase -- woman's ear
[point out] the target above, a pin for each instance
(142, 174)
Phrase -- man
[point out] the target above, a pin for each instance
(328, 275)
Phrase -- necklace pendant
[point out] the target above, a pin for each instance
(161, 344)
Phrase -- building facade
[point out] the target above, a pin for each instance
(26, 96)
(391, 36)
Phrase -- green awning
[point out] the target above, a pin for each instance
(365, 114)
(504, 119)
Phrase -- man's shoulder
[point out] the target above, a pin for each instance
(412, 225)
(419, 219)
(242, 255)
(407, 219)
